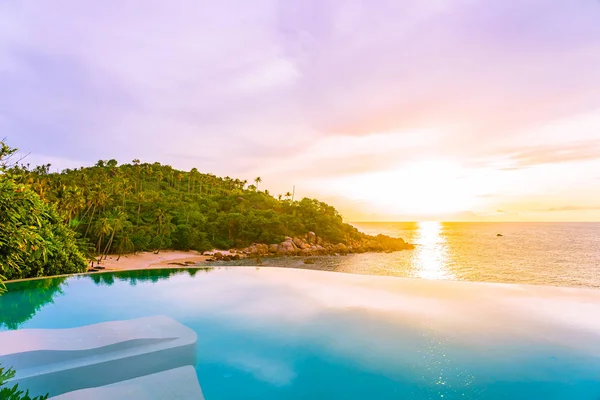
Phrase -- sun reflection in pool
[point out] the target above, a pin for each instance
(431, 253)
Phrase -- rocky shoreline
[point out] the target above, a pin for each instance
(312, 245)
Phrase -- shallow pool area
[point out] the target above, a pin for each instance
(270, 333)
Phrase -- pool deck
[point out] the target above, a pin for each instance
(58, 361)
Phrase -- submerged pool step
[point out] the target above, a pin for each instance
(58, 361)
(175, 384)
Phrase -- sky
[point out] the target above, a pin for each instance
(386, 109)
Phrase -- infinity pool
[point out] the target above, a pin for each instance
(294, 334)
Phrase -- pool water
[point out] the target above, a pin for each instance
(274, 333)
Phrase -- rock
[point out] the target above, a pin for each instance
(287, 238)
(319, 241)
(190, 263)
(257, 249)
(298, 242)
(235, 257)
(210, 259)
(274, 248)
(312, 238)
(341, 248)
(287, 247)
(226, 258)
(218, 255)
(177, 263)
(499, 235)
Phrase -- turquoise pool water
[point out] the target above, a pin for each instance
(290, 334)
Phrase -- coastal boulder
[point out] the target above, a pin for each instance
(287, 247)
(341, 248)
(218, 255)
(298, 242)
(312, 238)
(258, 249)
(274, 248)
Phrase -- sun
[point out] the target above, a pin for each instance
(428, 187)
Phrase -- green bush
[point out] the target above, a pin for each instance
(13, 393)
(34, 240)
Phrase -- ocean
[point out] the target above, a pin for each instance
(539, 253)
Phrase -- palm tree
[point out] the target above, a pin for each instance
(96, 199)
(73, 202)
(125, 243)
(165, 227)
(179, 177)
(257, 180)
(193, 174)
(117, 221)
(140, 197)
(103, 228)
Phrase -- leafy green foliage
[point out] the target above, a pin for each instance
(13, 393)
(34, 240)
(150, 207)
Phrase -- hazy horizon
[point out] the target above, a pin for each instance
(388, 110)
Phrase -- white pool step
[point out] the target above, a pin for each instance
(175, 384)
(58, 361)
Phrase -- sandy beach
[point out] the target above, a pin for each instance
(146, 260)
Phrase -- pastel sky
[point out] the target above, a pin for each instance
(387, 109)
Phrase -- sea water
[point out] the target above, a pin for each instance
(539, 253)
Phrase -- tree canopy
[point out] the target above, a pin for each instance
(34, 240)
(117, 209)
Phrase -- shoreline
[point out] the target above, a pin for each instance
(174, 259)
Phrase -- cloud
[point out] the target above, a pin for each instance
(573, 208)
(555, 154)
(293, 90)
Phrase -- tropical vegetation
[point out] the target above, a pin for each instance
(34, 237)
(13, 392)
(51, 221)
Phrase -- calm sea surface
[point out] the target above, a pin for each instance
(558, 254)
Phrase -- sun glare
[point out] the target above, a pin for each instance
(430, 187)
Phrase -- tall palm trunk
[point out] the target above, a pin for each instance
(91, 221)
(109, 244)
